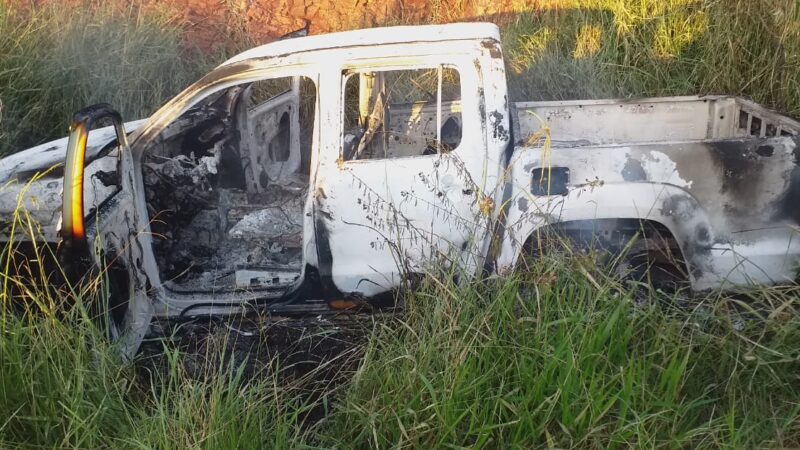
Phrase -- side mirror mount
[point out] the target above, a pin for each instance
(73, 228)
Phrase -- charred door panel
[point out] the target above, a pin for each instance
(272, 147)
(116, 233)
(409, 197)
(103, 246)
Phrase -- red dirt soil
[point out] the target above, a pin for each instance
(211, 25)
(263, 21)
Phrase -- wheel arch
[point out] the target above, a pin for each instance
(663, 206)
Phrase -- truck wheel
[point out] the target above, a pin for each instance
(651, 265)
(637, 252)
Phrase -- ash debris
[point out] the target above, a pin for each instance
(230, 230)
(313, 351)
(207, 227)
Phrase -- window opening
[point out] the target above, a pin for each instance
(401, 113)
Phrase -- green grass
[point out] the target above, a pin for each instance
(62, 387)
(550, 359)
(559, 355)
(634, 48)
(57, 60)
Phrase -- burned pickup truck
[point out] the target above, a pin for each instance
(331, 169)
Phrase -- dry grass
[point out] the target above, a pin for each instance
(560, 355)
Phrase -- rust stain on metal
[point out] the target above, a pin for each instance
(493, 47)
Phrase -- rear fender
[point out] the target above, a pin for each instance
(668, 205)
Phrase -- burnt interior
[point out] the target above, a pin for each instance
(226, 186)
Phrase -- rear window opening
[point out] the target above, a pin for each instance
(401, 113)
(226, 186)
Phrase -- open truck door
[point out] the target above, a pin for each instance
(99, 238)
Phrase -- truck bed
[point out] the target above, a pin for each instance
(618, 122)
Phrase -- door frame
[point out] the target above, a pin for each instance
(477, 164)
(168, 303)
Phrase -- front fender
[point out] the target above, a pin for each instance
(33, 179)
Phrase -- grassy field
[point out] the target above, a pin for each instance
(561, 355)
(58, 60)
(558, 356)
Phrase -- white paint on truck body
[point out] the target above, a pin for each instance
(723, 188)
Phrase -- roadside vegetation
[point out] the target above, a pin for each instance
(559, 355)
(55, 60)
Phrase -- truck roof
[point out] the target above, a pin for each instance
(373, 36)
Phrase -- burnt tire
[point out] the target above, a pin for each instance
(638, 253)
